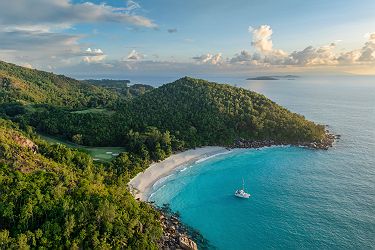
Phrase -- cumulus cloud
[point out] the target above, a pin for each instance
(242, 62)
(208, 58)
(93, 55)
(368, 50)
(134, 56)
(262, 41)
(94, 51)
(245, 57)
(262, 38)
(326, 55)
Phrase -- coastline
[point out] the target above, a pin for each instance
(141, 185)
(175, 233)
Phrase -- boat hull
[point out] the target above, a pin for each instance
(243, 196)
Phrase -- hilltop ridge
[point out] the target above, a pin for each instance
(31, 86)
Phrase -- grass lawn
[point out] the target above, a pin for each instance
(97, 153)
(93, 110)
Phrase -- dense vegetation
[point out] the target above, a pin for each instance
(55, 197)
(121, 86)
(202, 112)
(52, 196)
(30, 86)
(195, 112)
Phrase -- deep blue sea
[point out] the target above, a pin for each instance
(301, 198)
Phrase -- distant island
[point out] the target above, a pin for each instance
(263, 78)
(271, 78)
(58, 194)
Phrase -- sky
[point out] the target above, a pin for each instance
(119, 38)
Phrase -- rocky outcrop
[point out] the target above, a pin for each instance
(187, 244)
(177, 235)
(25, 143)
(325, 143)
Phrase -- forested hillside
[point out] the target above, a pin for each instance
(31, 86)
(195, 112)
(202, 112)
(55, 197)
(121, 86)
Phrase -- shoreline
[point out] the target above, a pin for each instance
(141, 185)
(175, 233)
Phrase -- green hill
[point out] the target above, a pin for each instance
(202, 112)
(31, 86)
(196, 112)
(53, 197)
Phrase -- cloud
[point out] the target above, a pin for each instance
(368, 50)
(63, 12)
(174, 30)
(36, 31)
(245, 57)
(262, 38)
(261, 41)
(209, 59)
(94, 51)
(135, 56)
(93, 55)
(310, 56)
(39, 48)
(43, 49)
(324, 55)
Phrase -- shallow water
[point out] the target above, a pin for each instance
(301, 198)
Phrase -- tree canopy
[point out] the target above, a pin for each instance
(55, 197)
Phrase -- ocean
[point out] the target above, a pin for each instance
(300, 198)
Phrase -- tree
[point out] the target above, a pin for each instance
(77, 138)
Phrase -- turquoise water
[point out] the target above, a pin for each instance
(301, 198)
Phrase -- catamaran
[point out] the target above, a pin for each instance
(241, 192)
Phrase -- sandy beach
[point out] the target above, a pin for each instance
(141, 184)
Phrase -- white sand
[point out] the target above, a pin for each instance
(141, 185)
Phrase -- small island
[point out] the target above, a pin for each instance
(272, 78)
(263, 78)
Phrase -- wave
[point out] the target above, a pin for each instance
(153, 193)
(212, 156)
(162, 180)
(159, 184)
(185, 168)
(270, 147)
